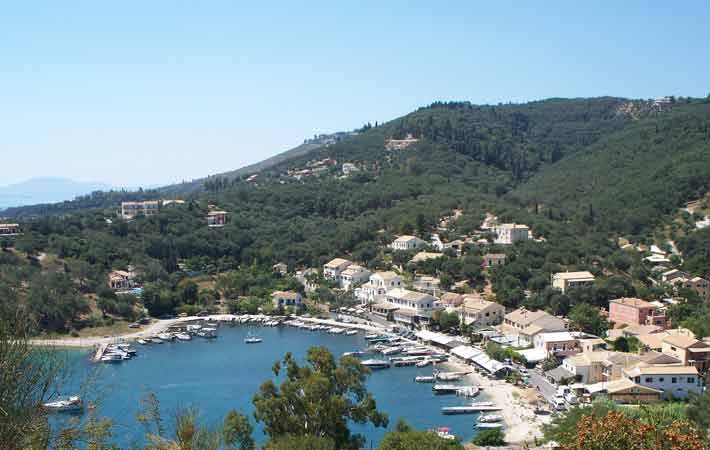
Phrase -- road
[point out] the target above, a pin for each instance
(539, 382)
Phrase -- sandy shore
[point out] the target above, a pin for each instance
(521, 422)
(162, 325)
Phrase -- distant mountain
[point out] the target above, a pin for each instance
(46, 190)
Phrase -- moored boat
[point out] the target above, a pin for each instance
(376, 364)
(488, 426)
(490, 418)
(67, 404)
(424, 379)
(183, 337)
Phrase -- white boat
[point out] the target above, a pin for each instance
(468, 391)
(142, 341)
(424, 362)
(488, 426)
(376, 364)
(490, 418)
(336, 330)
(252, 339)
(424, 379)
(156, 340)
(112, 358)
(355, 354)
(391, 350)
(444, 433)
(350, 332)
(441, 389)
(449, 376)
(183, 337)
(68, 404)
(166, 337)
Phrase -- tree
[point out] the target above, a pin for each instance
(237, 431)
(318, 399)
(300, 443)
(699, 411)
(417, 440)
(587, 318)
(493, 438)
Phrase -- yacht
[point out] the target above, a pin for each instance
(376, 364)
(252, 339)
(183, 337)
(142, 341)
(166, 337)
(350, 332)
(424, 379)
(67, 404)
(490, 418)
(112, 358)
(356, 354)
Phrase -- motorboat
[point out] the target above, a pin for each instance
(449, 376)
(156, 340)
(142, 341)
(468, 391)
(166, 337)
(67, 404)
(441, 389)
(490, 418)
(488, 426)
(350, 332)
(424, 379)
(376, 364)
(183, 337)
(424, 362)
(356, 354)
(112, 358)
(251, 339)
(444, 433)
(391, 350)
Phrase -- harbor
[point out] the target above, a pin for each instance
(451, 393)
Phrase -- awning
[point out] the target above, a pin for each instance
(534, 355)
(465, 352)
(490, 365)
(438, 338)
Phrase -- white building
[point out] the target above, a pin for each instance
(479, 312)
(353, 276)
(349, 168)
(333, 269)
(287, 299)
(570, 280)
(408, 243)
(379, 284)
(410, 307)
(510, 233)
(129, 210)
(559, 343)
(675, 381)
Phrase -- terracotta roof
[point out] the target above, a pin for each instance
(389, 275)
(573, 275)
(631, 301)
(679, 340)
(662, 370)
(623, 384)
(337, 262)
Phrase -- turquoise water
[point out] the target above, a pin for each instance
(222, 374)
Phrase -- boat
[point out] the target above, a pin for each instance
(391, 350)
(156, 340)
(183, 337)
(449, 376)
(490, 418)
(470, 409)
(441, 389)
(418, 351)
(488, 426)
(356, 354)
(376, 364)
(350, 332)
(424, 362)
(424, 379)
(252, 339)
(444, 433)
(468, 391)
(112, 358)
(142, 341)
(166, 337)
(67, 404)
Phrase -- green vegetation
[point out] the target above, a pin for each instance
(492, 438)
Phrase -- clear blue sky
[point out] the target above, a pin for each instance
(149, 92)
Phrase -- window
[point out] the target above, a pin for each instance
(674, 380)
(661, 379)
(649, 380)
(691, 379)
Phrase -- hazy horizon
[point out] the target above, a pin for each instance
(153, 94)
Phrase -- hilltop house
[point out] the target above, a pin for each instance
(406, 243)
(559, 343)
(129, 210)
(510, 233)
(216, 219)
(121, 280)
(700, 285)
(375, 289)
(9, 229)
(570, 280)
(286, 299)
(425, 283)
(634, 311)
(305, 277)
(493, 259)
(333, 269)
(281, 268)
(352, 276)
(400, 144)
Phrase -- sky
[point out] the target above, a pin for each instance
(138, 93)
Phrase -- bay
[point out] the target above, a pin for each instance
(218, 375)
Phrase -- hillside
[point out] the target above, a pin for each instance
(194, 185)
(630, 179)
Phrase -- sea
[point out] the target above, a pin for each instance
(218, 375)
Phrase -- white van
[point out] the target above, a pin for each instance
(571, 399)
(558, 403)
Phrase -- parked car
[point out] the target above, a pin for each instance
(134, 325)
